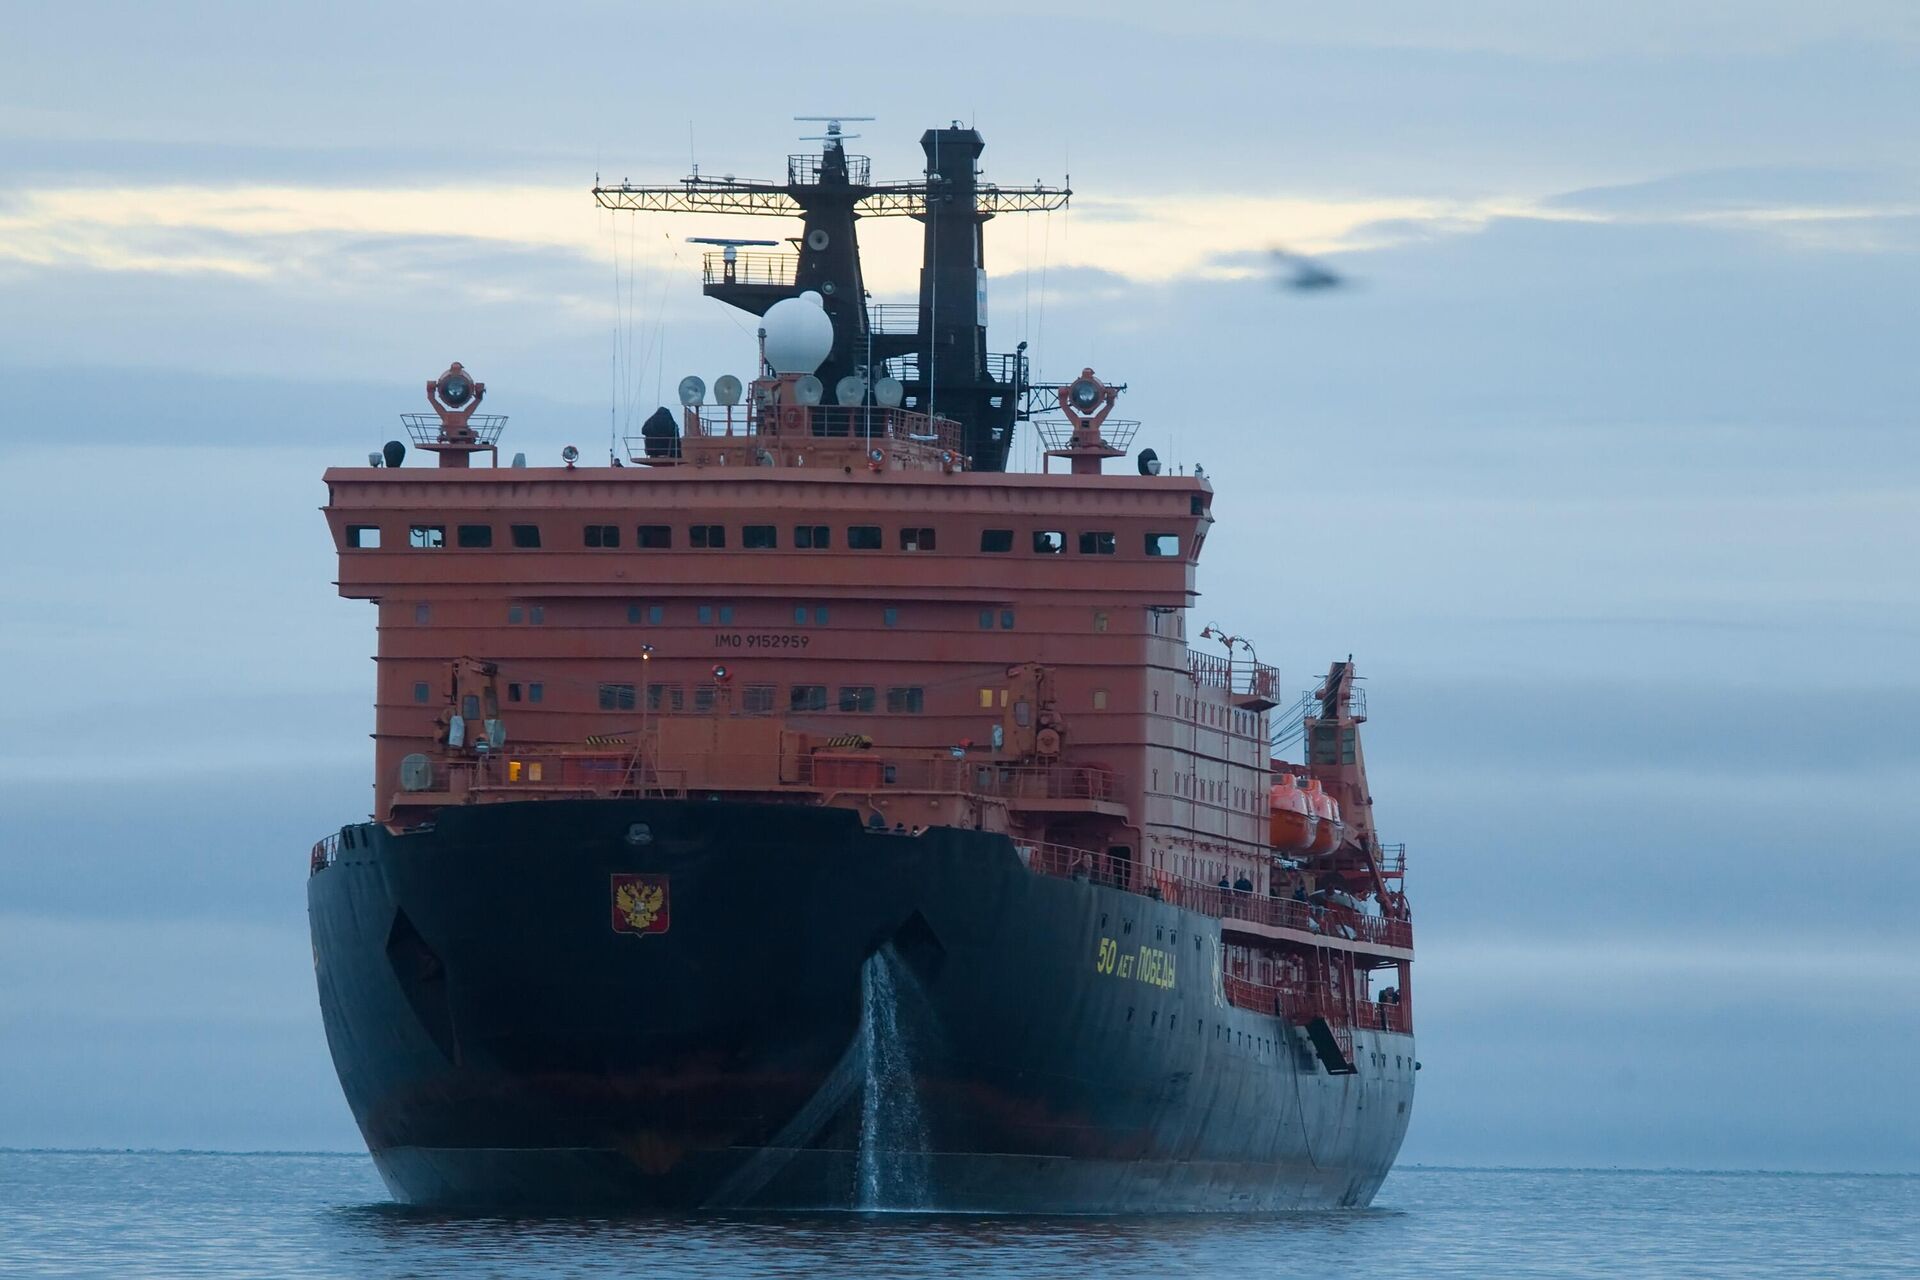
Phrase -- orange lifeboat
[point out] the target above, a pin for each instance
(1330, 831)
(1292, 820)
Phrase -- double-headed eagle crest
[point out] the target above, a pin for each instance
(640, 904)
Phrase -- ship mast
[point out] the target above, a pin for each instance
(941, 354)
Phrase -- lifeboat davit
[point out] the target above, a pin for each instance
(1326, 838)
(1292, 821)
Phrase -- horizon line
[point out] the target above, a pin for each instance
(1398, 1168)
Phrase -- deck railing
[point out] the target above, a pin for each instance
(1330, 921)
(869, 424)
(1302, 1004)
(750, 268)
(805, 170)
(627, 771)
(1211, 670)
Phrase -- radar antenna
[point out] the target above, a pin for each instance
(832, 137)
(830, 190)
(730, 254)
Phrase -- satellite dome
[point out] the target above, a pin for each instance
(799, 334)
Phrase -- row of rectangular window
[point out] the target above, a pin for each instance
(534, 691)
(708, 615)
(760, 537)
(759, 698)
(755, 698)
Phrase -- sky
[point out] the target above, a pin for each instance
(1604, 470)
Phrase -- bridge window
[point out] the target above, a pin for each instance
(1049, 542)
(807, 697)
(890, 617)
(996, 540)
(364, 536)
(916, 539)
(1163, 544)
(427, 537)
(863, 537)
(757, 699)
(616, 697)
(1006, 619)
(421, 691)
(526, 535)
(711, 537)
(1096, 544)
(759, 537)
(601, 535)
(653, 537)
(856, 697)
(986, 619)
(1198, 505)
(474, 535)
(907, 700)
(812, 537)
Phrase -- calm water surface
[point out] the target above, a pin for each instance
(96, 1214)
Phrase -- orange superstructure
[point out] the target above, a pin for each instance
(1012, 646)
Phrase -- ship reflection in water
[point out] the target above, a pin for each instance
(1425, 1222)
(214, 1215)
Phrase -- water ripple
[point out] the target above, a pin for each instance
(168, 1215)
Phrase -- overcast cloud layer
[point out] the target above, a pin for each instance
(1606, 473)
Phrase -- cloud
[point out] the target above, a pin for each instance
(1751, 189)
(1607, 477)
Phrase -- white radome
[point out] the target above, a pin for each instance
(799, 334)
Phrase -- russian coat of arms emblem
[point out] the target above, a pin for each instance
(640, 904)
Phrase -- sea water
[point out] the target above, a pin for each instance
(183, 1214)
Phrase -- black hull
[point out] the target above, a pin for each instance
(500, 1043)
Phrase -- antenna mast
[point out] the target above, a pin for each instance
(940, 356)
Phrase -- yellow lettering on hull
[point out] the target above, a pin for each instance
(1150, 965)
